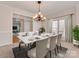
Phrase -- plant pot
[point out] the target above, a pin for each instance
(75, 42)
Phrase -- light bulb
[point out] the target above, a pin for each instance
(35, 16)
(44, 17)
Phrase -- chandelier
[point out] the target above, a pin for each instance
(39, 16)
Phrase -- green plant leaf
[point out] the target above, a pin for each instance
(75, 32)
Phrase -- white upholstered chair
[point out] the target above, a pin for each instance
(59, 42)
(40, 51)
(52, 45)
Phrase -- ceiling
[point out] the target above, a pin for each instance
(48, 8)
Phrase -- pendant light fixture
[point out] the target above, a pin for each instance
(39, 16)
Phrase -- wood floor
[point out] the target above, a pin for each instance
(15, 39)
(73, 51)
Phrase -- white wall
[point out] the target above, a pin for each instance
(27, 25)
(46, 25)
(5, 25)
(77, 14)
(6, 15)
(36, 25)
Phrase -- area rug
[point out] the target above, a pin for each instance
(61, 54)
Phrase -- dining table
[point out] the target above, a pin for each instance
(27, 39)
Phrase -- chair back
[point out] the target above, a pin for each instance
(41, 48)
(59, 39)
(53, 42)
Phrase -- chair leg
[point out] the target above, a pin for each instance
(50, 54)
(55, 52)
(46, 55)
(60, 47)
(57, 48)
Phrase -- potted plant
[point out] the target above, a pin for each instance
(75, 34)
(41, 30)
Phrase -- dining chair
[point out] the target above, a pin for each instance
(52, 46)
(40, 51)
(59, 42)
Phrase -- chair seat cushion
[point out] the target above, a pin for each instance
(32, 53)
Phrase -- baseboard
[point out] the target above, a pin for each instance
(5, 44)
